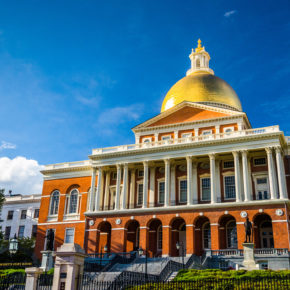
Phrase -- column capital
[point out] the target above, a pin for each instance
(236, 153)
(244, 152)
(118, 166)
(268, 150)
(167, 161)
(126, 165)
(212, 156)
(146, 163)
(189, 158)
(278, 149)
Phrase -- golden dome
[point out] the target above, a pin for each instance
(202, 87)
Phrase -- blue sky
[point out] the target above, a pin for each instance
(77, 75)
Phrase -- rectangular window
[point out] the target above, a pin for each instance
(140, 194)
(186, 135)
(34, 231)
(36, 213)
(69, 235)
(205, 189)
(183, 190)
(23, 214)
(140, 173)
(262, 180)
(207, 132)
(229, 164)
(21, 232)
(167, 137)
(114, 176)
(7, 233)
(10, 215)
(260, 161)
(161, 191)
(230, 189)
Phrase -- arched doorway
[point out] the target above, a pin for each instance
(178, 234)
(228, 232)
(104, 235)
(202, 237)
(263, 231)
(155, 238)
(132, 236)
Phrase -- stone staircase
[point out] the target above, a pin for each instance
(172, 276)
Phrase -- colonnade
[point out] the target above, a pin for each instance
(243, 188)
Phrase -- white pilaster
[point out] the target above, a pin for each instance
(167, 182)
(189, 180)
(152, 186)
(246, 177)
(237, 176)
(218, 180)
(107, 190)
(132, 189)
(125, 187)
(145, 184)
(172, 200)
(272, 175)
(281, 174)
(194, 182)
(118, 186)
(212, 178)
(92, 193)
(99, 189)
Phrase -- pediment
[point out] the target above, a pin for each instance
(187, 112)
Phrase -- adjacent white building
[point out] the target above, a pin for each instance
(19, 215)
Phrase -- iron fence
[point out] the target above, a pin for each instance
(13, 281)
(273, 283)
(44, 281)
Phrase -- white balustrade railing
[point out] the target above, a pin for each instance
(67, 165)
(193, 139)
(257, 252)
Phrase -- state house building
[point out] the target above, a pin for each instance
(193, 175)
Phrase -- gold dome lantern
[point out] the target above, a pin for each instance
(201, 86)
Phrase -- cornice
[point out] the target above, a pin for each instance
(66, 169)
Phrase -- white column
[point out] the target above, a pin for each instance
(272, 175)
(92, 193)
(189, 180)
(167, 182)
(213, 196)
(99, 189)
(125, 187)
(172, 200)
(107, 191)
(145, 184)
(281, 174)
(237, 176)
(246, 177)
(132, 189)
(194, 182)
(152, 186)
(218, 181)
(118, 186)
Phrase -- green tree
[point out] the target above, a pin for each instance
(2, 197)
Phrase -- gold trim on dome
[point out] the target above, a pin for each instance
(199, 47)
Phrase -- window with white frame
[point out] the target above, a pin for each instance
(21, 231)
(159, 238)
(260, 161)
(140, 194)
(140, 173)
(72, 202)
(206, 236)
(230, 189)
(182, 190)
(262, 188)
(186, 135)
(231, 231)
(161, 192)
(205, 188)
(166, 137)
(69, 235)
(206, 132)
(229, 129)
(229, 164)
(114, 175)
(54, 202)
(147, 140)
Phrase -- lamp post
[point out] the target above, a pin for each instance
(13, 246)
(141, 252)
(182, 251)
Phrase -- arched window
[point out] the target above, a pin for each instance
(266, 233)
(72, 202)
(54, 202)
(198, 63)
(206, 236)
(159, 238)
(231, 230)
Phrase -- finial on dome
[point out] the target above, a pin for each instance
(199, 47)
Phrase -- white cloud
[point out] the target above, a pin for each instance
(230, 13)
(21, 175)
(7, 145)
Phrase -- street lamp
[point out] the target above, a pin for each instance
(182, 251)
(141, 252)
(13, 245)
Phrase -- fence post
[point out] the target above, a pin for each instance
(31, 278)
(69, 264)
